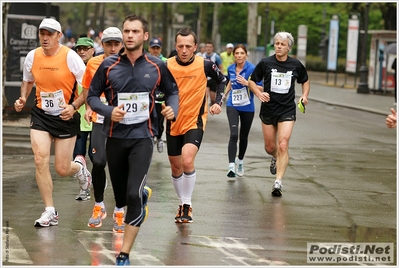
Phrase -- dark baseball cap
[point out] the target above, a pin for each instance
(155, 42)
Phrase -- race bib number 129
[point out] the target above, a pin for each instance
(136, 105)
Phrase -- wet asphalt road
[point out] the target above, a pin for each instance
(340, 186)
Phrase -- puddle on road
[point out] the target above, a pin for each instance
(369, 234)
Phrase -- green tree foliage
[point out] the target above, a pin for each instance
(233, 18)
(233, 22)
(288, 16)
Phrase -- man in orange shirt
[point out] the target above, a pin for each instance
(56, 70)
(184, 136)
(111, 41)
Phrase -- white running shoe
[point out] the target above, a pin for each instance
(277, 188)
(160, 145)
(83, 195)
(273, 168)
(231, 173)
(97, 217)
(48, 218)
(83, 176)
(240, 167)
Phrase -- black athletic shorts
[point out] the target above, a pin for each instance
(176, 143)
(273, 120)
(213, 86)
(54, 125)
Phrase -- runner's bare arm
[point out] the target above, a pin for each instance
(26, 89)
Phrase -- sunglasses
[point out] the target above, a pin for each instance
(85, 49)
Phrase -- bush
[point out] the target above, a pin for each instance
(317, 64)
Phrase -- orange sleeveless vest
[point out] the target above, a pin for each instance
(52, 73)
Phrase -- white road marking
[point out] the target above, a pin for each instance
(104, 245)
(229, 247)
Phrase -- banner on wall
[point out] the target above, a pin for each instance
(22, 37)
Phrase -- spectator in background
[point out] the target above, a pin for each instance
(98, 46)
(201, 50)
(211, 86)
(227, 57)
(173, 53)
(91, 33)
(71, 42)
(155, 49)
(68, 32)
(85, 49)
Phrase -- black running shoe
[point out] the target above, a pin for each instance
(187, 214)
(178, 214)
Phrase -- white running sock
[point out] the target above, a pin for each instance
(188, 186)
(50, 209)
(100, 204)
(178, 185)
(80, 170)
(116, 209)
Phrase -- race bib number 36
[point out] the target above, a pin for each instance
(51, 102)
(136, 105)
(280, 82)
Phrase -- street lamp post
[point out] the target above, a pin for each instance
(363, 70)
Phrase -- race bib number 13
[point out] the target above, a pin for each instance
(280, 83)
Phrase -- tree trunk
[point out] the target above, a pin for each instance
(203, 24)
(252, 38)
(102, 17)
(95, 17)
(215, 21)
(389, 13)
(83, 26)
(166, 24)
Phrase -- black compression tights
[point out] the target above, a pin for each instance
(128, 163)
(245, 120)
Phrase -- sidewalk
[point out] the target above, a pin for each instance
(345, 95)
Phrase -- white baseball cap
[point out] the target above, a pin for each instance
(111, 34)
(50, 25)
(229, 45)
